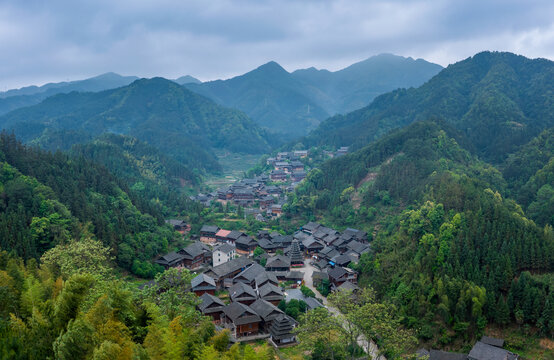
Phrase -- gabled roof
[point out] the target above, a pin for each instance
(343, 260)
(240, 314)
(193, 250)
(493, 341)
(445, 355)
(278, 261)
(204, 281)
(270, 292)
(266, 310)
(266, 244)
(234, 235)
(294, 275)
(246, 240)
(171, 258)
(209, 228)
(241, 291)
(230, 266)
(337, 272)
(311, 242)
(357, 247)
(282, 240)
(311, 226)
(210, 304)
(250, 273)
(482, 351)
(300, 235)
(266, 277)
(224, 248)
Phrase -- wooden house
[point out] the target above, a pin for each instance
(211, 306)
(228, 270)
(245, 245)
(271, 293)
(339, 275)
(248, 276)
(203, 284)
(241, 319)
(173, 259)
(240, 292)
(278, 263)
(207, 234)
(267, 312)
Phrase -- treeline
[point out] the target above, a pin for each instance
(449, 250)
(68, 309)
(47, 199)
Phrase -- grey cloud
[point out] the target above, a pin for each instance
(59, 40)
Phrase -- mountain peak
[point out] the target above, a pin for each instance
(271, 66)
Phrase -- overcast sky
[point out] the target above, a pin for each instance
(56, 40)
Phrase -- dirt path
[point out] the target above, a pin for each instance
(369, 346)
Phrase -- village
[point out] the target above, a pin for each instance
(241, 280)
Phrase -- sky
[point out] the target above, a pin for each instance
(50, 41)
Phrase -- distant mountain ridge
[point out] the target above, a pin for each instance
(499, 100)
(169, 117)
(31, 95)
(296, 102)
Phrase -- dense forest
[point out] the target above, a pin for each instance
(499, 100)
(451, 250)
(48, 199)
(71, 307)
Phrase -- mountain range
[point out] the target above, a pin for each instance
(169, 117)
(498, 100)
(296, 102)
(31, 95)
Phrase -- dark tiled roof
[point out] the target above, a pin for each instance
(311, 242)
(348, 286)
(171, 258)
(234, 235)
(492, 341)
(357, 247)
(231, 266)
(240, 314)
(295, 275)
(278, 261)
(266, 310)
(246, 240)
(482, 351)
(311, 226)
(209, 229)
(281, 327)
(224, 248)
(175, 222)
(265, 277)
(337, 272)
(445, 355)
(241, 292)
(210, 304)
(271, 292)
(200, 279)
(193, 250)
(250, 273)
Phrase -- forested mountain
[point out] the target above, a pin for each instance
(356, 85)
(187, 79)
(297, 102)
(167, 116)
(271, 97)
(31, 95)
(47, 199)
(450, 250)
(499, 100)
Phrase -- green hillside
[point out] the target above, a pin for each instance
(449, 249)
(499, 100)
(158, 111)
(31, 95)
(48, 199)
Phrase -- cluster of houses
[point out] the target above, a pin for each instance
(253, 292)
(226, 265)
(255, 195)
(343, 150)
(287, 166)
(487, 348)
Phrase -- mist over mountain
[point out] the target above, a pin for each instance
(499, 100)
(159, 111)
(296, 102)
(31, 95)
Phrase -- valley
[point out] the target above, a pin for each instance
(224, 217)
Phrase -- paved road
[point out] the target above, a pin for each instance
(369, 346)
